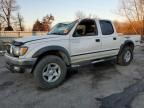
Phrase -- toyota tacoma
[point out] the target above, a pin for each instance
(69, 45)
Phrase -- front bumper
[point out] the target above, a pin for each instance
(17, 64)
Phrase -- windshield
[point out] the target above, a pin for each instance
(62, 28)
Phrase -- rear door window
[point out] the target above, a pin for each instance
(106, 27)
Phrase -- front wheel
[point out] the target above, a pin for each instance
(50, 72)
(125, 57)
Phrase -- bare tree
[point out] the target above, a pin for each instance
(93, 16)
(80, 15)
(45, 24)
(6, 9)
(0, 26)
(141, 8)
(37, 26)
(47, 21)
(19, 22)
(133, 10)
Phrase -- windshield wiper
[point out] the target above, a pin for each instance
(55, 34)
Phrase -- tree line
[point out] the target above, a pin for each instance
(11, 19)
(8, 18)
(44, 25)
(133, 10)
(126, 28)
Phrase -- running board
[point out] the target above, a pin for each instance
(92, 62)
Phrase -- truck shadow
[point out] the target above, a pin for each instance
(99, 71)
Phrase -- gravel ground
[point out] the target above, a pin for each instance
(80, 90)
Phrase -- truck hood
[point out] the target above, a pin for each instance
(36, 38)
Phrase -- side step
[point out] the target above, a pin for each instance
(93, 62)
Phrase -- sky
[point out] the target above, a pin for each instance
(65, 10)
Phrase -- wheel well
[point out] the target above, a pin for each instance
(129, 44)
(54, 52)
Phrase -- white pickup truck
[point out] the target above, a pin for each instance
(69, 45)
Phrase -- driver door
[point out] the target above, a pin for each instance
(85, 42)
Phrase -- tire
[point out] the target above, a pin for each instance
(45, 70)
(121, 59)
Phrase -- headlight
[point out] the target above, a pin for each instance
(19, 51)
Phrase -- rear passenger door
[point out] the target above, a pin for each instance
(110, 40)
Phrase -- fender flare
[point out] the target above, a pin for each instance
(124, 44)
(64, 53)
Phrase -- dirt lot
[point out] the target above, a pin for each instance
(81, 88)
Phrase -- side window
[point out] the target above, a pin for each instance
(86, 28)
(106, 27)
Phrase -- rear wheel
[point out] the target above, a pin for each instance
(125, 57)
(50, 72)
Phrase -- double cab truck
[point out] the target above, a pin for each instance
(69, 45)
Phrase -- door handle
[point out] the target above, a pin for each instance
(114, 38)
(97, 40)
